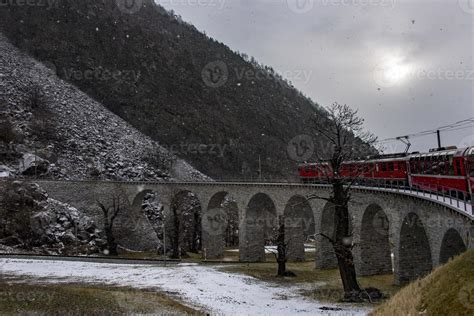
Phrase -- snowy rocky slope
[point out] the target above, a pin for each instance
(50, 129)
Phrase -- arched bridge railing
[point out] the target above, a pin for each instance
(448, 197)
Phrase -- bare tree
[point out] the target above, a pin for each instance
(343, 128)
(281, 254)
(110, 214)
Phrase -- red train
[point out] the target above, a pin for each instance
(448, 170)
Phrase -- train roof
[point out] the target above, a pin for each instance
(447, 152)
(467, 151)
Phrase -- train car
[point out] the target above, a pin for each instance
(391, 171)
(387, 169)
(450, 171)
(470, 168)
(315, 172)
(443, 171)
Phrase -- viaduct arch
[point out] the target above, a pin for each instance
(392, 231)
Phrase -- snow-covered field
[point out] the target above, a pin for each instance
(204, 287)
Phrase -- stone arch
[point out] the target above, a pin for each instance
(259, 226)
(299, 225)
(220, 225)
(415, 258)
(183, 224)
(325, 256)
(132, 229)
(451, 246)
(137, 201)
(375, 252)
(151, 205)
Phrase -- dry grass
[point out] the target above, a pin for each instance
(321, 285)
(23, 297)
(448, 290)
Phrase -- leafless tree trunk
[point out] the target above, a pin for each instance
(281, 248)
(343, 129)
(175, 238)
(110, 214)
(281, 255)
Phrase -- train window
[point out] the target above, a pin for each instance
(471, 167)
(457, 164)
(427, 167)
(401, 166)
(434, 165)
(384, 166)
(391, 166)
(450, 166)
(443, 165)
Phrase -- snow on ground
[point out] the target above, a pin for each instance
(218, 292)
(273, 249)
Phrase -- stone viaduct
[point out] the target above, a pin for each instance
(393, 231)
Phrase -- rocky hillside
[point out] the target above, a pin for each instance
(51, 129)
(215, 108)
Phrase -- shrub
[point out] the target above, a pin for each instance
(7, 133)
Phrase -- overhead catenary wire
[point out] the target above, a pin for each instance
(460, 125)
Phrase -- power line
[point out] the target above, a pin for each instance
(464, 124)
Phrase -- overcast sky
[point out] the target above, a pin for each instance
(396, 61)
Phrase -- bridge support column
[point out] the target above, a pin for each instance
(325, 255)
(295, 244)
(213, 228)
(250, 245)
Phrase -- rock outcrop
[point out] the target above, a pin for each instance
(31, 221)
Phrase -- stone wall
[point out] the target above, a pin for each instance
(382, 223)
